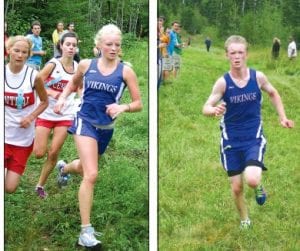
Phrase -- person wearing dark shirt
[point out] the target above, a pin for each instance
(275, 48)
(207, 43)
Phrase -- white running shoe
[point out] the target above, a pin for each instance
(87, 237)
(245, 224)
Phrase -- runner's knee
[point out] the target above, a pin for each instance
(39, 152)
(10, 188)
(253, 175)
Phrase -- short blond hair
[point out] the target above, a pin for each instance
(13, 39)
(235, 39)
(107, 30)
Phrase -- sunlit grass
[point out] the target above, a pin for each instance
(196, 211)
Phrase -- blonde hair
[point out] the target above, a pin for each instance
(13, 39)
(235, 39)
(107, 30)
(276, 40)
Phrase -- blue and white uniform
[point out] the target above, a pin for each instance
(98, 92)
(242, 141)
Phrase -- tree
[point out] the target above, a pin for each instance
(192, 21)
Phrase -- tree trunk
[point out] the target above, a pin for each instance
(122, 16)
(243, 7)
(6, 9)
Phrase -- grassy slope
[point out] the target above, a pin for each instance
(120, 208)
(196, 211)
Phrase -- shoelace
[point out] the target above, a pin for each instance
(92, 231)
(98, 233)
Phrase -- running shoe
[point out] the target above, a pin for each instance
(87, 238)
(40, 191)
(62, 178)
(245, 224)
(260, 195)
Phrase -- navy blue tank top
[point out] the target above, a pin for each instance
(242, 119)
(99, 91)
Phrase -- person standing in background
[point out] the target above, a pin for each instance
(160, 23)
(168, 63)
(207, 43)
(35, 60)
(275, 48)
(177, 49)
(162, 42)
(56, 36)
(292, 48)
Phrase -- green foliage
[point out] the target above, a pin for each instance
(129, 40)
(212, 32)
(291, 12)
(228, 19)
(88, 15)
(260, 28)
(259, 21)
(192, 21)
(16, 24)
(120, 209)
(196, 210)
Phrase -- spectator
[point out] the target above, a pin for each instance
(55, 38)
(275, 48)
(168, 62)
(177, 49)
(207, 43)
(35, 60)
(160, 45)
(292, 48)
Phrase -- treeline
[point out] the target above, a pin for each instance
(88, 15)
(258, 20)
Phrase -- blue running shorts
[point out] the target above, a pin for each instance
(236, 155)
(102, 134)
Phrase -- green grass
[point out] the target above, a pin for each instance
(120, 209)
(196, 211)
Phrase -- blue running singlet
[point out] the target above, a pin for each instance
(242, 119)
(99, 91)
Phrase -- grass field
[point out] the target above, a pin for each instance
(196, 211)
(120, 209)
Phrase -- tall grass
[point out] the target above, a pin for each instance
(196, 211)
(120, 209)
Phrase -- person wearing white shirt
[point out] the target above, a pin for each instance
(292, 48)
